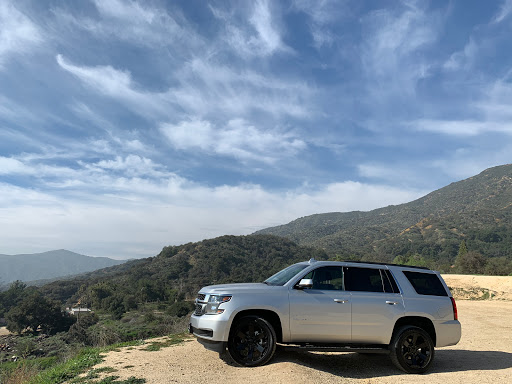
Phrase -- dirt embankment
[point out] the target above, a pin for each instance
(469, 287)
(484, 355)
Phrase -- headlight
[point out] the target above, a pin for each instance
(212, 308)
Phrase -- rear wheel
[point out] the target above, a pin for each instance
(412, 350)
(252, 341)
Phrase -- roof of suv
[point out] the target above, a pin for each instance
(311, 261)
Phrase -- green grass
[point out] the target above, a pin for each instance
(85, 359)
(171, 340)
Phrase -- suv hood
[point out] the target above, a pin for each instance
(234, 288)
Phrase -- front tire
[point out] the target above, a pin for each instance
(412, 350)
(252, 341)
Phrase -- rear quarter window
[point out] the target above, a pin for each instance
(426, 283)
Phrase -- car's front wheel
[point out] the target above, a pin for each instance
(252, 341)
(412, 349)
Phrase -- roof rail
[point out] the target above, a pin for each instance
(394, 265)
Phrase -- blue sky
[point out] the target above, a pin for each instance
(126, 126)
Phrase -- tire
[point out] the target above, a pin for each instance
(252, 341)
(412, 350)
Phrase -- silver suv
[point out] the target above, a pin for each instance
(331, 306)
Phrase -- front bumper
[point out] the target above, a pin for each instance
(214, 328)
(205, 337)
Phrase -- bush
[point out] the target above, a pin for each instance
(25, 346)
(180, 309)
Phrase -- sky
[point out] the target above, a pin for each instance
(126, 126)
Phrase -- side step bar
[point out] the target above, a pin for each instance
(382, 349)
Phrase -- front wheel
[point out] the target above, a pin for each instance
(412, 350)
(252, 341)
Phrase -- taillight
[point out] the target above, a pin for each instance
(455, 314)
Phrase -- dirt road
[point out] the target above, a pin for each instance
(484, 355)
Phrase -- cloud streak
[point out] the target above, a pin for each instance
(18, 34)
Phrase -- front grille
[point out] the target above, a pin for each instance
(199, 310)
(201, 296)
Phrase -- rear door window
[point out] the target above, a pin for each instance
(363, 279)
(426, 283)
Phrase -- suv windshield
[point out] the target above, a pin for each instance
(282, 277)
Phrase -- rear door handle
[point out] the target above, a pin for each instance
(391, 302)
(340, 301)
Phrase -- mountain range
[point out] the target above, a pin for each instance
(49, 265)
(477, 210)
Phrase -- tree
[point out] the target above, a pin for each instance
(37, 312)
(463, 249)
(498, 266)
(470, 263)
(11, 297)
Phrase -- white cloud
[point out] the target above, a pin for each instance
(204, 89)
(139, 23)
(17, 33)
(392, 49)
(106, 79)
(504, 12)
(237, 139)
(323, 15)
(146, 215)
(493, 111)
(116, 84)
(463, 59)
(10, 166)
(461, 127)
(131, 166)
(262, 39)
(209, 89)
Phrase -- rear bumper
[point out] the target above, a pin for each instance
(448, 333)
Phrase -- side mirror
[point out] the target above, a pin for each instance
(305, 283)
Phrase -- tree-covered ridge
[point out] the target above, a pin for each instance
(477, 210)
(176, 274)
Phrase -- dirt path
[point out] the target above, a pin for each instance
(4, 331)
(484, 355)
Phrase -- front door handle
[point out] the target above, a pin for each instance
(340, 301)
(391, 302)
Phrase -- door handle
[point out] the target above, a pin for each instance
(391, 302)
(340, 301)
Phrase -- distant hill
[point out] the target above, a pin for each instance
(49, 265)
(477, 210)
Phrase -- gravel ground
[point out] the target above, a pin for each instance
(484, 355)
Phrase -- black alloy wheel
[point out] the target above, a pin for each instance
(252, 341)
(412, 350)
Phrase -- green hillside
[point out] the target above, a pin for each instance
(477, 210)
(178, 272)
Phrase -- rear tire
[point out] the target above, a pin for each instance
(412, 349)
(252, 341)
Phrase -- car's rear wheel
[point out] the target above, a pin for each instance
(252, 341)
(412, 349)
